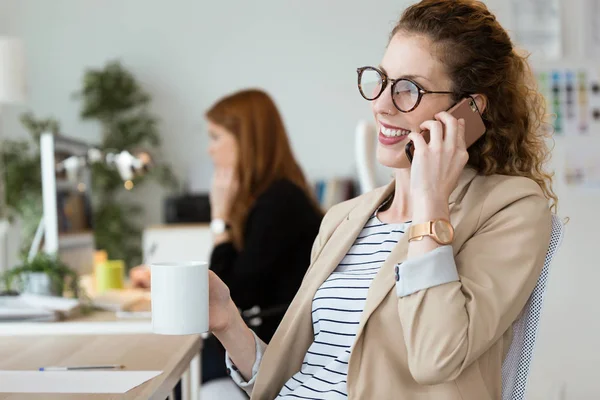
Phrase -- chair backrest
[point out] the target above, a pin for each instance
(364, 148)
(515, 369)
(370, 173)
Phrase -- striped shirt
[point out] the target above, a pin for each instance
(336, 310)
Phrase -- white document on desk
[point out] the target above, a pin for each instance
(73, 381)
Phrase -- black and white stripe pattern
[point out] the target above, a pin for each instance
(336, 311)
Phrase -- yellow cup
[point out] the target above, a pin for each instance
(109, 275)
(100, 256)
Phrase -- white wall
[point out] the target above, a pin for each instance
(188, 53)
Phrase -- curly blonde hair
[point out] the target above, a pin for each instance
(480, 58)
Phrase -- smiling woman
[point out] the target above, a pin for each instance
(413, 288)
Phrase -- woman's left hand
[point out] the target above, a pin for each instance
(140, 277)
(225, 187)
(437, 165)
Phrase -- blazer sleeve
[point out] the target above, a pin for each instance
(449, 326)
(234, 373)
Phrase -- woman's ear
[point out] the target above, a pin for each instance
(481, 101)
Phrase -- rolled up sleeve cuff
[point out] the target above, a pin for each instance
(434, 268)
(235, 374)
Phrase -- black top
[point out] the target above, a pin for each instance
(278, 237)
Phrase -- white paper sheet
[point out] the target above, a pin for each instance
(14, 309)
(73, 381)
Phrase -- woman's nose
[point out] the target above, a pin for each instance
(384, 104)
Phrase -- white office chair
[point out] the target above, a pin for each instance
(515, 369)
(371, 174)
(364, 148)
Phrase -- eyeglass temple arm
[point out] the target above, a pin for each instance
(423, 91)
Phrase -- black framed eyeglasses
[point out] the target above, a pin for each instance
(406, 93)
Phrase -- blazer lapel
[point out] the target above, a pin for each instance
(295, 331)
(343, 238)
(383, 282)
(465, 179)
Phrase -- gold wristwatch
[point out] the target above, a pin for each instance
(439, 230)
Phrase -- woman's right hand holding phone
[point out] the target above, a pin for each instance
(436, 165)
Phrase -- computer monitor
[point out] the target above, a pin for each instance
(66, 228)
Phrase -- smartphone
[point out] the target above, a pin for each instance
(474, 125)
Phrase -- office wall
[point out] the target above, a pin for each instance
(188, 53)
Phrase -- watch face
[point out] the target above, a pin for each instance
(444, 231)
(217, 226)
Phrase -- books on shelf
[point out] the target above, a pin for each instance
(330, 192)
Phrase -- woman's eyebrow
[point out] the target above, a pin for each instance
(411, 76)
(416, 76)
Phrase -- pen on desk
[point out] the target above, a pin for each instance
(82, 367)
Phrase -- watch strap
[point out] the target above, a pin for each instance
(440, 230)
(419, 231)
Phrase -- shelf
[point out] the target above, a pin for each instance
(74, 240)
(66, 185)
(182, 225)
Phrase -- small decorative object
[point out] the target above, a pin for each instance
(109, 274)
(100, 256)
(44, 274)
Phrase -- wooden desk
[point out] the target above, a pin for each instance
(106, 316)
(170, 354)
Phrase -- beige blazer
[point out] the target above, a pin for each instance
(446, 342)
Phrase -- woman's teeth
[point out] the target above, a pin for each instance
(394, 132)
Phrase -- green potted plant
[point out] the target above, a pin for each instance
(45, 275)
(113, 97)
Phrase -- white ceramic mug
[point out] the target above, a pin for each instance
(179, 293)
